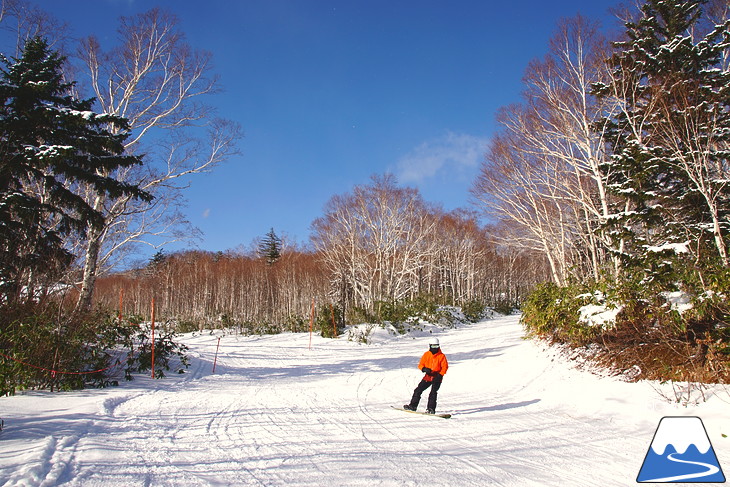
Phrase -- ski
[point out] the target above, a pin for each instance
(438, 415)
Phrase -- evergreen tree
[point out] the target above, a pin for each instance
(156, 262)
(270, 247)
(670, 131)
(49, 141)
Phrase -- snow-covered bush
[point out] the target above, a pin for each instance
(473, 310)
(407, 310)
(136, 341)
(360, 333)
(675, 331)
(553, 312)
(43, 349)
(598, 312)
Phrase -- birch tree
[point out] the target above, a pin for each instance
(460, 249)
(155, 80)
(544, 172)
(527, 191)
(375, 239)
(25, 21)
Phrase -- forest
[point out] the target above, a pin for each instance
(615, 169)
(379, 252)
(600, 212)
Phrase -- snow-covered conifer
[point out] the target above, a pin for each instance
(270, 247)
(50, 142)
(669, 132)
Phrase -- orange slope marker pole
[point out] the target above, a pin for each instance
(215, 360)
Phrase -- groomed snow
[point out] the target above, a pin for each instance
(276, 413)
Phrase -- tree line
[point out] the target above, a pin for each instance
(88, 175)
(86, 180)
(609, 180)
(618, 147)
(615, 167)
(403, 256)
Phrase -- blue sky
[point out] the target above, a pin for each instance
(331, 92)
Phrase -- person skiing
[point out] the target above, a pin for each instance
(434, 364)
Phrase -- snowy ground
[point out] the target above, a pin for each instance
(277, 413)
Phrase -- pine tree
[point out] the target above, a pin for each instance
(670, 131)
(49, 141)
(156, 262)
(270, 247)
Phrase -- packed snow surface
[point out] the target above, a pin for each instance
(276, 412)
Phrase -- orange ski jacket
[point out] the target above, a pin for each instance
(436, 362)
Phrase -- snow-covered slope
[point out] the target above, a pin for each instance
(277, 413)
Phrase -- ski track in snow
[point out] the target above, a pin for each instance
(276, 413)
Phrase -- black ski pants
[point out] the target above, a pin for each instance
(435, 384)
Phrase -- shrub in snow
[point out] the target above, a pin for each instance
(599, 315)
(360, 333)
(328, 320)
(678, 301)
(45, 350)
(554, 312)
(136, 343)
(474, 310)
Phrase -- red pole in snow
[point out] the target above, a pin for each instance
(215, 360)
(153, 338)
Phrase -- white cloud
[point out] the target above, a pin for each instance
(206, 213)
(452, 154)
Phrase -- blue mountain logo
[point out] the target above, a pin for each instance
(681, 452)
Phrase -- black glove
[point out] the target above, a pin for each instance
(426, 371)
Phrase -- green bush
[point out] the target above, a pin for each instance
(504, 307)
(323, 320)
(137, 343)
(46, 349)
(186, 326)
(267, 328)
(552, 312)
(42, 349)
(424, 306)
(407, 311)
(390, 311)
(296, 324)
(473, 310)
(250, 327)
(247, 327)
(358, 314)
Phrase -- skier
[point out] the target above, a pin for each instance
(434, 364)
